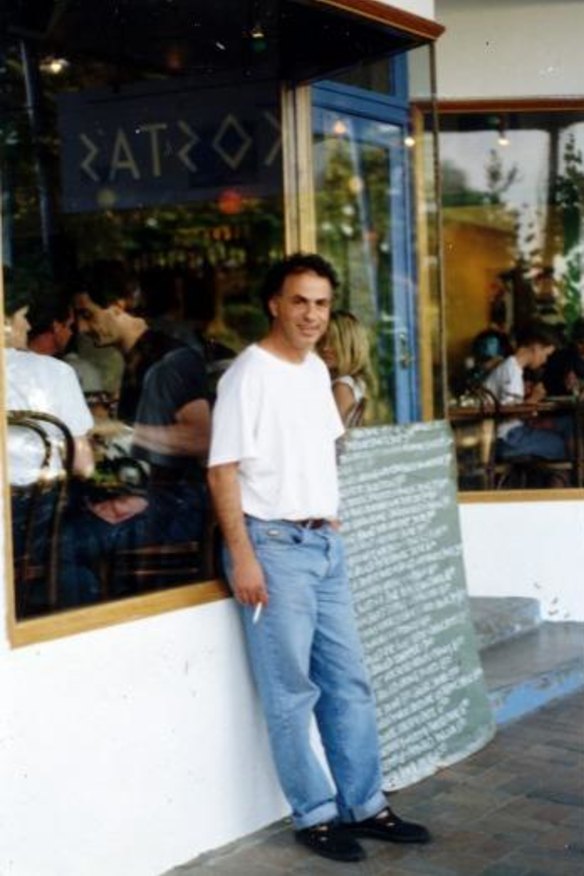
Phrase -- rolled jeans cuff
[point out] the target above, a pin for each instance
(366, 810)
(325, 812)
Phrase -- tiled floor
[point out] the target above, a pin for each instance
(514, 809)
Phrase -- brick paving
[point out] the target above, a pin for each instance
(516, 808)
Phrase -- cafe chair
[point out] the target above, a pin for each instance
(474, 442)
(131, 571)
(36, 567)
(532, 472)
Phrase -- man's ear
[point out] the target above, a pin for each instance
(273, 306)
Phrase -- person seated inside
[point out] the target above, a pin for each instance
(164, 398)
(44, 385)
(103, 314)
(492, 345)
(564, 370)
(506, 382)
(345, 351)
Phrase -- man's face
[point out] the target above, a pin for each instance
(19, 326)
(100, 323)
(540, 354)
(62, 332)
(301, 310)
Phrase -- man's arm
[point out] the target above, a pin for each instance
(189, 435)
(248, 578)
(83, 462)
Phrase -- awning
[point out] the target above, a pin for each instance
(225, 40)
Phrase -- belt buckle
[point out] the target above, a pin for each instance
(314, 523)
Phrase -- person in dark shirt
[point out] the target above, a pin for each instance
(171, 434)
(493, 345)
(564, 372)
(164, 396)
(102, 313)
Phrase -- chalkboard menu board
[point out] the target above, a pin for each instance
(401, 530)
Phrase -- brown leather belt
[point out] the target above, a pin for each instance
(311, 522)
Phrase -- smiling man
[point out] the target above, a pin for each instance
(274, 483)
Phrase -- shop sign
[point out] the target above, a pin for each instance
(153, 145)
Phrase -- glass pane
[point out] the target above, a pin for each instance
(140, 209)
(513, 199)
(353, 182)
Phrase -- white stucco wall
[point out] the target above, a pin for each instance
(130, 750)
(533, 549)
(425, 8)
(510, 48)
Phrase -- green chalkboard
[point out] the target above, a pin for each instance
(401, 528)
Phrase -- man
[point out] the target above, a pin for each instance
(164, 396)
(506, 382)
(564, 370)
(102, 313)
(44, 385)
(274, 483)
(51, 325)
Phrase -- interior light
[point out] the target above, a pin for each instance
(54, 65)
(257, 32)
(503, 139)
(339, 128)
(409, 141)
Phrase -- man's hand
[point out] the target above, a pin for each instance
(248, 582)
(537, 393)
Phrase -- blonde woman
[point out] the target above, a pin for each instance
(345, 350)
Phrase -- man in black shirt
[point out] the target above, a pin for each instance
(564, 371)
(164, 396)
(103, 317)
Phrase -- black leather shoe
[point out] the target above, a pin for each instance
(386, 825)
(331, 840)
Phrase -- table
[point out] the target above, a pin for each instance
(486, 417)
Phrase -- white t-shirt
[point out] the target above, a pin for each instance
(507, 385)
(41, 383)
(279, 421)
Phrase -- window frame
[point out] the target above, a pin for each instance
(79, 620)
(502, 105)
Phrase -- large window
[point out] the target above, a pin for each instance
(140, 209)
(143, 153)
(513, 229)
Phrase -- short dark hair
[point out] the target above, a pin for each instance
(16, 292)
(105, 281)
(30, 281)
(44, 312)
(536, 333)
(298, 263)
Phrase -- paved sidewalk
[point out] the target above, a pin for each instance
(514, 809)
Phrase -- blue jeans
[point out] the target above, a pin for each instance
(306, 659)
(526, 441)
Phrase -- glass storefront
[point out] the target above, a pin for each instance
(143, 198)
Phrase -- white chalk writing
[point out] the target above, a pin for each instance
(400, 522)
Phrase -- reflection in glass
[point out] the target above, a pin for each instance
(140, 211)
(353, 166)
